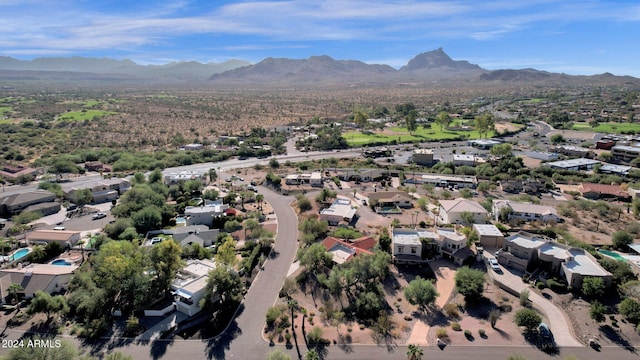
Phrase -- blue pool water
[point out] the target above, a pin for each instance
(61, 262)
(19, 254)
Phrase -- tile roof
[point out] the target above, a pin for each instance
(462, 205)
(603, 189)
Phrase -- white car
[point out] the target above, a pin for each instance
(99, 215)
(59, 228)
(494, 265)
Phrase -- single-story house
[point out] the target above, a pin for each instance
(345, 250)
(485, 144)
(571, 150)
(489, 235)
(103, 190)
(65, 238)
(36, 277)
(96, 166)
(602, 191)
(16, 203)
(341, 210)
(573, 164)
(13, 172)
(390, 198)
(313, 179)
(363, 175)
(171, 178)
(524, 211)
(190, 284)
(443, 180)
(451, 211)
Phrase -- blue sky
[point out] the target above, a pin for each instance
(574, 37)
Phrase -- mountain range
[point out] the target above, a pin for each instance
(426, 68)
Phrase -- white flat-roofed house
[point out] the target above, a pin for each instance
(464, 160)
(524, 211)
(189, 285)
(443, 180)
(489, 235)
(340, 211)
(573, 164)
(450, 211)
(313, 179)
(174, 177)
(422, 156)
(406, 246)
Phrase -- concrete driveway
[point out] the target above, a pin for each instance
(559, 324)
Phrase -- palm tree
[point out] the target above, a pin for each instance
(414, 352)
(312, 355)
(293, 305)
(260, 200)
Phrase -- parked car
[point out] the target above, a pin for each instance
(99, 215)
(60, 228)
(494, 265)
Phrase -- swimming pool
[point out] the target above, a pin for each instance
(612, 255)
(61, 262)
(19, 254)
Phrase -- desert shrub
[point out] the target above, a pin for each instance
(455, 326)
(451, 310)
(556, 286)
(273, 314)
(540, 285)
(442, 333)
(482, 332)
(468, 334)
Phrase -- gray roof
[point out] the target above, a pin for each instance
(29, 197)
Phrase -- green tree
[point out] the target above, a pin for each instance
(469, 283)
(501, 150)
(166, 261)
(42, 302)
(147, 219)
(314, 256)
(227, 252)
(64, 351)
(155, 177)
(467, 218)
(443, 119)
(62, 166)
(484, 123)
(303, 203)
(621, 240)
(630, 308)
(82, 197)
(410, 121)
(593, 287)
(360, 118)
(597, 311)
(420, 292)
(277, 354)
(414, 352)
(527, 318)
(224, 285)
(557, 139)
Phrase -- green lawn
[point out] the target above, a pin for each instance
(83, 115)
(4, 110)
(610, 127)
(401, 135)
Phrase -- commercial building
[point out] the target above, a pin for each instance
(422, 157)
(573, 164)
(625, 153)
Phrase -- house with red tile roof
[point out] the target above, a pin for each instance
(602, 191)
(345, 250)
